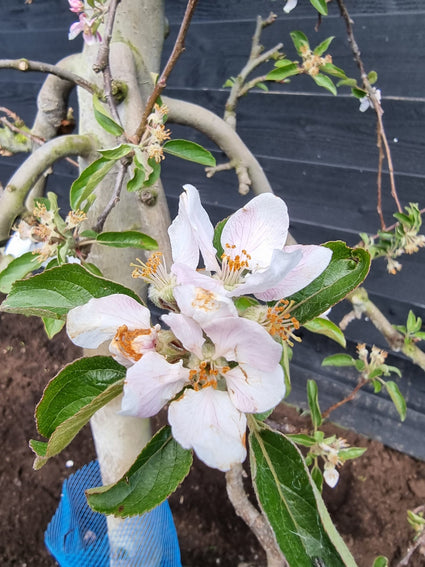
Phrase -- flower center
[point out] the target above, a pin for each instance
(206, 374)
(132, 344)
(154, 271)
(205, 300)
(280, 323)
(233, 265)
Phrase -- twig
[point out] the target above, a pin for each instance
(27, 65)
(114, 199)
(362, 304)
(172, 60)
(348, 398)
(420, 542)
(102, 61)
(252, 517)
(256, 57)
(382, 138)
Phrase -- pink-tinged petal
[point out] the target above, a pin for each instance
(244, 341)
(150, 384)
(207, 422)
(254, 391)
(188, 332)
(314, 261)
(259, 282)
(75, 29)
(203, 305)
(187, 275)
(191, 232)
(331, 477)
(257, 228)
(91, 324)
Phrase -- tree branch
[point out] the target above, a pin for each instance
(175, 54)
(13, 196)
(252, 517)
(371, 92)
(102, 61)
(224, 137)
(27, 65)
(114, 198)
(363, 305)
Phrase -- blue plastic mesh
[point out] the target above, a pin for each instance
(78, 537)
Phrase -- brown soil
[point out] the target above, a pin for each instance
(368, 505)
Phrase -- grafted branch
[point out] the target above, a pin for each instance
(13, 197)
(27, 65)
(224, 136)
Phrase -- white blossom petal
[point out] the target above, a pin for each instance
(314, 261)
(290, 5)
(91, 324)
(187, 275)
(151, 383)
(208, 422)
(244, 341)
(255, 391)
(260, 283)
(331, 477)
(192, 231)
(257, 228)
(203, 305)
(187, 331)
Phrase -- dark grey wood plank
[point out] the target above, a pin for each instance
(218, 50)
(223, 10)
(324, 129)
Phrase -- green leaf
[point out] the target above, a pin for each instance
(313, 403)
(154, 174)
(284, 63)
(320, 6)
(302, 439)
(54, 292)
(346, 270)
(341, 359)
(325, 82)
(345, 82)
(373, 77)
(323, 326)
(136, 183)
(293, 504)
(332, 69)
(157, 472)
(380, 561)
(397, 398)
(358, 93)
(218, 229)
(300, 41)
(351, 453)
(190, 151)
(83, 186)
(117, 153)
(322, 47)
(317, 476)
(67, 430)
(243, 302)
(52, 326)
(17, 269)
(281, 73)
(127, 239)
(105, 119)
(75, 387)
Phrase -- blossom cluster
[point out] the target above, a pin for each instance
(212, 364)
(87, 24)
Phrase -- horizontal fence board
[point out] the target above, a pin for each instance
(217, 50)
(223, 10)
(325, 130)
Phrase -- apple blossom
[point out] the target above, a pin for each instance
(118, 318)
(255, 259)
(88, 27)
(76, 6)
